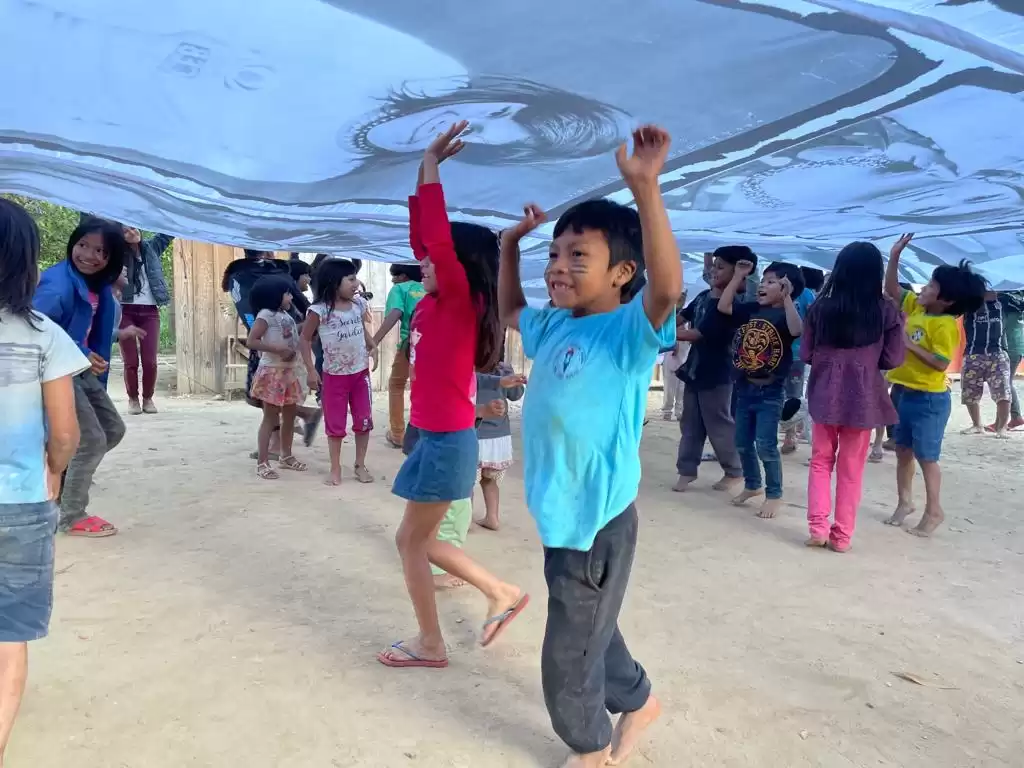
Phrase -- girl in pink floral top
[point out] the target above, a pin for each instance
(852, 333)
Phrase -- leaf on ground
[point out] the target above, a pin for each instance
(910, 677)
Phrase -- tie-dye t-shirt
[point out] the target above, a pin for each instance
(29, 358)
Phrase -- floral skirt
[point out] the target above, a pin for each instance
(277, 386)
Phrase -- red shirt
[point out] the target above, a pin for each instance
(442, 338)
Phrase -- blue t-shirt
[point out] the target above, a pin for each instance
(803, 303)
(583, 415)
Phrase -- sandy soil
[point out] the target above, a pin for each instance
(234, 622)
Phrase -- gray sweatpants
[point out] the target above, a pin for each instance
(707, 415)
(101, 430)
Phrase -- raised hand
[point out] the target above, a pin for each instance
(650, 148)
(447, 144)
(787, 287)
(902, 243)
(743, 269)
(533, 217)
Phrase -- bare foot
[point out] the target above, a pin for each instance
(746, 495)
(1002, 434)
(491, 524)
(593, 760)
(814, 542)
(630, 728)
(931, 520)
(447, 581)
(334, 478)
(903, 511)
(682, 483)
(769, 509)
(726, 483)
(976, 429)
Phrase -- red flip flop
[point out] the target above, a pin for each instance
(92, 527)
(504, 619)
(412, 661)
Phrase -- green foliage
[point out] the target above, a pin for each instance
(56, 224)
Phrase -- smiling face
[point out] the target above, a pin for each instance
(930, 301)
(769, 292)
(429, 278)
(89, 254)
(348, 288)
(578, 275)
(132, 236)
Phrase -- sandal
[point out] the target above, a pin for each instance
(266, 472)
(290, 462)
(876, 455)
(363, 475)
(92, 527)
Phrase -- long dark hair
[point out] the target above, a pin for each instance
(329, 276)
(848, 311)
(114, 244)
(477, 250)
(19, 258)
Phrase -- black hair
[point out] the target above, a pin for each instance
(412, 271)
(814, 279)
(734, 254)
(268, 293)
(558, 124)
(254, 253)
(962, 286)
(791, 271)
(848, 310)
(113, 243)
(477, 250)
(19, 261)
(328, 280)
(297, 268)
(620, 226)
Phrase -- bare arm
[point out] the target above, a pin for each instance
(309, 329)
(728, 296)
(793, 322)
(391, 319)
(511, 298)
(689, 334)
(928, 358)
(892, 269)
(62, 425)
(255, 340)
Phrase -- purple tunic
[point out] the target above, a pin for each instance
(845, 387)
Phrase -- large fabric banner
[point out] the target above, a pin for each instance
(798, 126)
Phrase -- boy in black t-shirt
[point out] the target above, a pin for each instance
(762, 352)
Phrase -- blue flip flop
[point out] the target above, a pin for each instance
(504, 619)
(412, 661)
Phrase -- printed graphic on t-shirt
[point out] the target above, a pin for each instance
(758, 348)
(343, 339)
(570, 362)
(917, 335)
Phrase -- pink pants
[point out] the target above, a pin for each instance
(845, 450)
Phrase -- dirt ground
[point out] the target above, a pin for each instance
(234, 622)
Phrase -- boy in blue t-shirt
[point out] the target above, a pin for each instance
(594, 352)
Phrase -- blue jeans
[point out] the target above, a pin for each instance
(26, 570)
(923, 418)
(758, 410)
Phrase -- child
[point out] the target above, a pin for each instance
(1013, 331)
(672, 385)
(852, 333)
(405, 294)
(707, 377)
(594, 353)
(920, 391)
(39, 431)
(276, 383)
(339, 317)
(494, 434)
(77, 295)
(986, 360)
(145, 291)
(455, 330)
(762, 353)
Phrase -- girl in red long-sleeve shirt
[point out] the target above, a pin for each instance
(455, 330)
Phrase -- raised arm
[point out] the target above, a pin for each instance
(892, 269)
(159, 242)
(728, 297)
(661, 254)
(511, 298)
(794, 323)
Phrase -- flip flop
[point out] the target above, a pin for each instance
(412, 661)
(504, 619)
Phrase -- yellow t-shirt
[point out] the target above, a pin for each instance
(939, 334)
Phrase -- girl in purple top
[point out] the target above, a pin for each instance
(852, 333)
